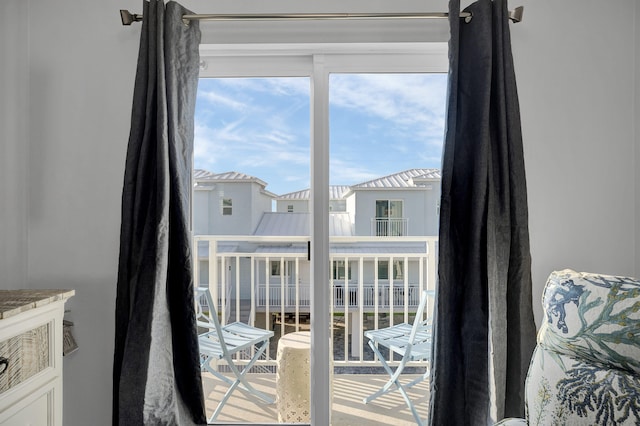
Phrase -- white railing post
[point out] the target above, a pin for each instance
(282, 295)
(267, 292)
(346, 299)
(431, 270)
(297, 299)
(252, 314)
(238, 288)
(406, 288)
(213, 271)
(356, 341)
(375, 293)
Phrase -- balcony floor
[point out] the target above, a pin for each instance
(348, 408)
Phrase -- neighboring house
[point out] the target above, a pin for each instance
(382, 249)
(401, 204)
(228, 203)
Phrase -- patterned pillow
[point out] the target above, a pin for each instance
(562, 390)
(592, 317)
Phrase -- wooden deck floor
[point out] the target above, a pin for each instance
(348, 408)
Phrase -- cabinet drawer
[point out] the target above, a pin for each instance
(28, 354)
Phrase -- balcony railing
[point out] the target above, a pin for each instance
(341, 298)
(389, 227)
(238, 271)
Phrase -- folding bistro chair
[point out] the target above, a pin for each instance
(412, 342)
(223, 342)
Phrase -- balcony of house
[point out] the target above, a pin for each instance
(347, 406)
(389, 227)
(374, 283)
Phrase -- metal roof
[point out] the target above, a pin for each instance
(298, 224)
(412, 178)
(405, 179)
(203, 249)
(336, 192)
(206, 176)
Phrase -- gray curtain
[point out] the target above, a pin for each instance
(484, 328)
(156, 375)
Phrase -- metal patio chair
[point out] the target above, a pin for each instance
(223, 343)
(412, 343)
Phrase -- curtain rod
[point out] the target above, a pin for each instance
(128, 18)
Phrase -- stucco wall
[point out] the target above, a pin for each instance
(575, 70)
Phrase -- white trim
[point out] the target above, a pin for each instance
(320, 293)
(305, 49)
(291, 60)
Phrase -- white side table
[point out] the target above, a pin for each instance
(31, 343)
(293, 378)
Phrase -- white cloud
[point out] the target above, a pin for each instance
(261, 127)
(348, 172)
(221, 101)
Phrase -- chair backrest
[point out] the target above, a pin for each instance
(210, 321)
(419, 322)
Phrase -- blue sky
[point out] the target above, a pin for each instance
(379, 124)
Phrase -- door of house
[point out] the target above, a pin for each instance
(289, 118)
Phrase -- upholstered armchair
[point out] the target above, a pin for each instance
(585, 369)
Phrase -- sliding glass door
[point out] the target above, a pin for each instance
(277, 167)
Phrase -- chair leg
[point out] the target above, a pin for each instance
(240, 380)
(393, 376)
(394, 381)
(246, 386)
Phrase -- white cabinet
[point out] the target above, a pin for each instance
(31, 341)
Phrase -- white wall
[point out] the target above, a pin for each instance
(575, 68)
(81, 73)
(14, 84)
(575, 71)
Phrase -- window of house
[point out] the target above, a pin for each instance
(339, 270)
(387, 209)
(389, 220)
(290, 208)
(275, 268)
(338, 206)
(383, 269)
(227, 206)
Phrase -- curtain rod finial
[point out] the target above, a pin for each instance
(128, 18)
(516, 14)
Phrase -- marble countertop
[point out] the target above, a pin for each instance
(13, 302)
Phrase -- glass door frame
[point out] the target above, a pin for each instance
(317, 61)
